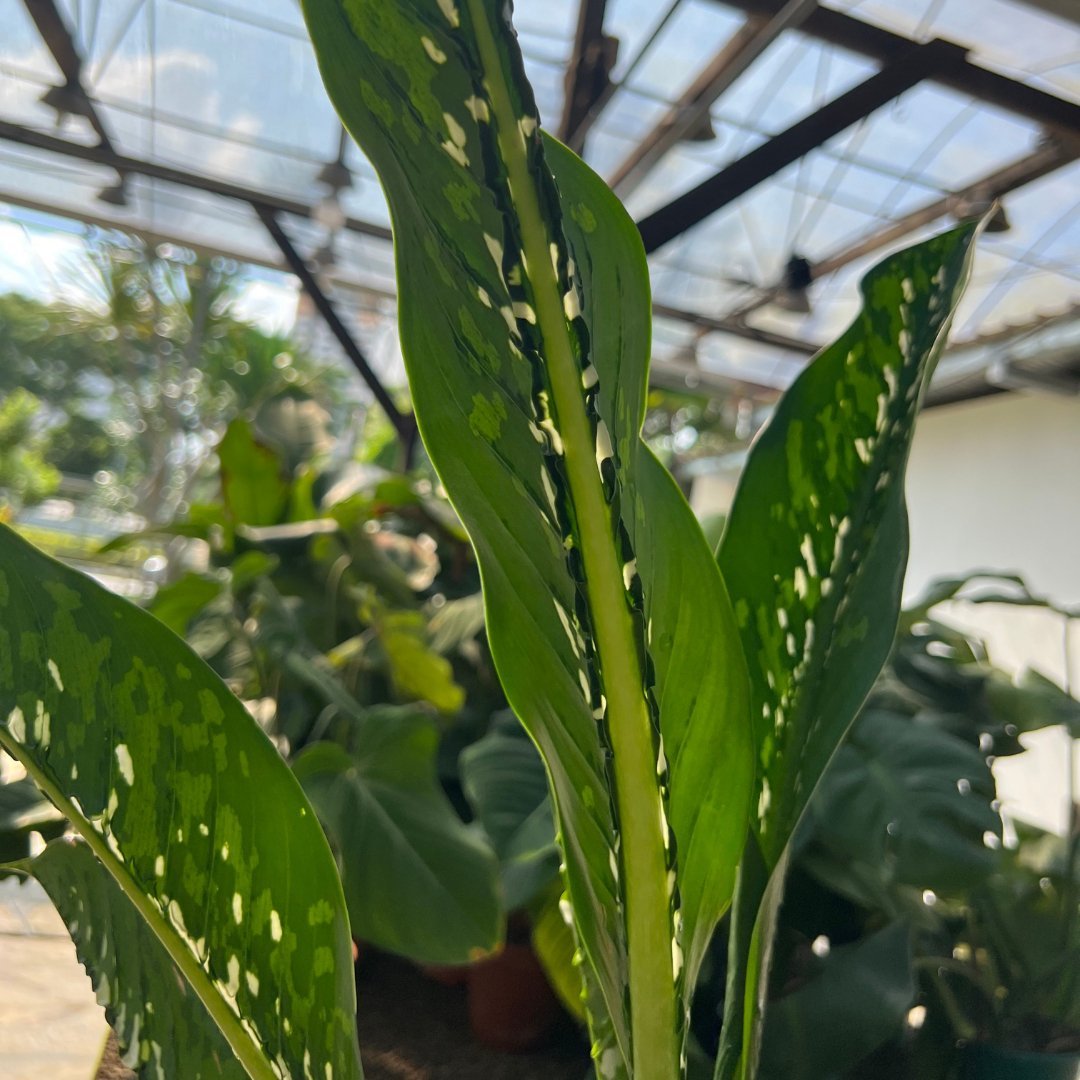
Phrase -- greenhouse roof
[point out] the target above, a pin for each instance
(769, 151)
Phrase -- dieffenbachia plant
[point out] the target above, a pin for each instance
(682, 736)
(524, 309)
(197, 885)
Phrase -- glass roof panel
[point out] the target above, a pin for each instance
(684, 46)
(178, 82)
(1034, 45)
(945, 138)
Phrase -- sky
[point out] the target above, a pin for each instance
(39, 257)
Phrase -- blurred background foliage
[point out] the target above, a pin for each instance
(134, 378)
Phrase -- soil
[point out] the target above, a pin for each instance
(111, 1066)
(414, 1028)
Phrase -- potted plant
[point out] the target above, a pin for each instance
(686, 703)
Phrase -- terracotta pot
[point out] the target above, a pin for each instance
(985, 1062)
(511, 1005)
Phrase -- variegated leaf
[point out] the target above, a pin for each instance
(524, 308)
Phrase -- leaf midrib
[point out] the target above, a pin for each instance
(640, 809)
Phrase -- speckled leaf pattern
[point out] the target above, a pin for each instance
(816, 543)
(162, 1028)
(189, 808)
(524, 312)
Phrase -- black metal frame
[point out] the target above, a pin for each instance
(588, 89)
(907, 69)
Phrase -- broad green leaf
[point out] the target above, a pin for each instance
(162, 1027)
(816, 545)
(1033, 702)
(506, 785)
(524, 308)
(857, 1001)
(417, 671)
(177, 603)
(417, 880)
(254, 485)
(909, 800)
(23, 812)
(188, 807)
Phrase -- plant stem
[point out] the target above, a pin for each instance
(247, 1052)
(653, 1011)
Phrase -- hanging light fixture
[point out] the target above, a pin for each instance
(115, 194)
(793, 294)
(325, 257)
(66, 100)
(335, 175)
(328, 212)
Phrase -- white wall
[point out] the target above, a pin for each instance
(995, 483)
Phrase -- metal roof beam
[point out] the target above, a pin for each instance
(731, 324)
(756, 34)
(1054, 113)
(100, 155)
(37, 140)
(1050, 156)
(915, 63)
(58, 40)
(588, 74)
(404, 424)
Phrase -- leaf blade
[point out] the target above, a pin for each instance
(417, 880)
(534, 428)
(817, 544)
(177, 792)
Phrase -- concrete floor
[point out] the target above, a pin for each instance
(51, 1028)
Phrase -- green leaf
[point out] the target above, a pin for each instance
(23, 812)
(524, 308)
(162, 1027)
(188, 807)
(506, 785)
(417, 671)
(1033, 702)
(417, 880)
(816, 544)
(911, 801)
(177, 603)
(555, 948)
(254, 485)
(858, 1001)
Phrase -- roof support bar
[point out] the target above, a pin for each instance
(731, 324)
(587, 74)
(1054, 113)
(58, 40)
(1050, 156)
(404, 425)
(37, 140)
(686, 115)
(916, 63)
(100, 155)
